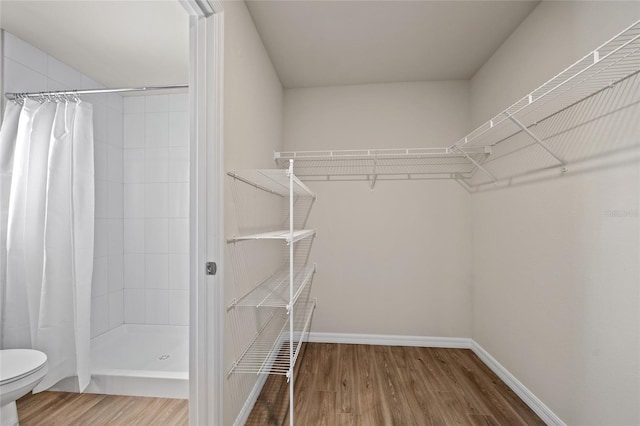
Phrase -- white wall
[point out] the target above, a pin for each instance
(555, 295)
(554, 36)
(27, 69)
(156, 209)
(395, 260)
(252, 132)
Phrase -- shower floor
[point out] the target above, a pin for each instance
(139, 360)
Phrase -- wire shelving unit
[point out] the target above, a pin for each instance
(546, 129)
(273, 351)
(384, 164)
(274, 291)
(283, 296)
(285, 235)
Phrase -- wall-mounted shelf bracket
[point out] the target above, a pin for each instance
(475, 163)
(537, 140)
(374, 175)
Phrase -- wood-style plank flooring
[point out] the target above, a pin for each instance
(391, 385)
(63, 408)
(335, 385)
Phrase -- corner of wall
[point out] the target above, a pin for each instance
(3, 100)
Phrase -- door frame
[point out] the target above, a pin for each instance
(206, 220)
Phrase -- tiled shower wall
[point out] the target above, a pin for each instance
(27, 69)
(156, 210)
(141, 193)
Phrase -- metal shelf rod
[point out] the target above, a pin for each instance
(535, 138)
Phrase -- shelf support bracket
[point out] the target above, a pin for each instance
(475, 163)
(538, 141)
(375, 176)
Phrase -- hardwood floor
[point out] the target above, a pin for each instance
(62, 408)
(335, 385)
(391, 385)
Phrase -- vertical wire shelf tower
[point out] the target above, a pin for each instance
(280, 301)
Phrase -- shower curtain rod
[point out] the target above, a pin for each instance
(16, 96)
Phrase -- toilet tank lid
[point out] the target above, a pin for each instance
(19, 362)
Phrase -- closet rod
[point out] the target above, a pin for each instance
(18, 96)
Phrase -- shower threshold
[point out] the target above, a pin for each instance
(138, 360)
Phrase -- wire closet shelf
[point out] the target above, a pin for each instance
(285, 293)
(269, 352)
(602, 83)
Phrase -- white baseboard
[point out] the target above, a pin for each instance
(243, 415)
(544, 412)
(391, 340)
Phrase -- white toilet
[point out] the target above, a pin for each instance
(20, 371)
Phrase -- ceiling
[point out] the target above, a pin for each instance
(117, 42)
(311, 43)
(326, 43)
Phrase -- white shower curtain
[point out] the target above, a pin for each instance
(47, 204)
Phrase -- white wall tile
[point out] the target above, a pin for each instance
(94, 99)
(133, 130)
(101, 240)
(178, 307)
(179, 236)
(114, 200)
(134, 160)
(100, 160)
(156, 103)
(134, 200)
(101, 206)
(178, 164)
(156, 236)
(178, 201)
(100, 122)
(148, 200)
(116, 309)
(89, 83)
(134, 266)
(114, 228)
(157, 307)
(156, 165)
(63, 73)
(133, 104)
(156, 200)
(115, 273)
(134, 236)
(179, 102)
(53, 85)
(116, 102)
(99, 283)
(18, 78)
(115, 127)
(99, 315)
(134, 306)
(156, 273)
(179, 271)
(156, 129)
(24, 53)
(178, 129)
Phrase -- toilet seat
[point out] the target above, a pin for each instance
(16, 364)
(20, 371)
